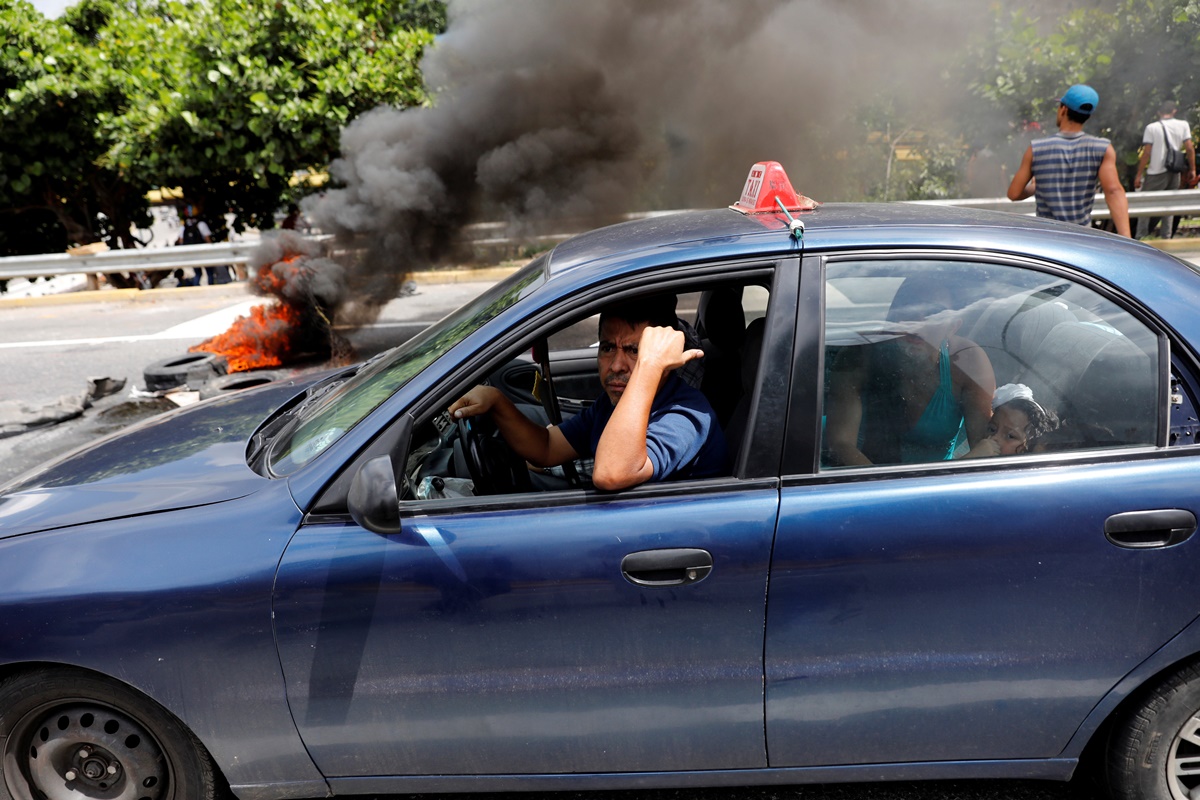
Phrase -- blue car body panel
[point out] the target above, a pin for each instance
(509, 641)
(933, 603)
(190, 457)
(178, 605)
(971, 622)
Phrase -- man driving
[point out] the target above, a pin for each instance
(647, 426)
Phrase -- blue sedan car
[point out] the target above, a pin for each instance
(332, 587)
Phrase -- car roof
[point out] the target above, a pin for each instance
(727, 233)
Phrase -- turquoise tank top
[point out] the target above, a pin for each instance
(936, 433)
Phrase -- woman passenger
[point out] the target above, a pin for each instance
(914, 396)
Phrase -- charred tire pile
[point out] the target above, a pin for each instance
(192, 369)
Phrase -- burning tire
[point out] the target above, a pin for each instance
(238, 381)
(193, 369)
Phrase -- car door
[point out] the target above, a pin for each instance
(971, 609)
(547, 633)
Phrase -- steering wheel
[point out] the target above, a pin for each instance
(493, 466)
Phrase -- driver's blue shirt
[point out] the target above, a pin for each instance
(683, 440)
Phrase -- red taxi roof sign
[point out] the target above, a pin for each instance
(766, 183)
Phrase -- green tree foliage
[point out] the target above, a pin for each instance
(258, 91)
(1135, 53)
(899, 150)
(1002, 93)
(54, 188)
(225, 99)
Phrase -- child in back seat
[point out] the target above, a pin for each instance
(1017, 420)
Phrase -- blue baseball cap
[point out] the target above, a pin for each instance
(1081, 98)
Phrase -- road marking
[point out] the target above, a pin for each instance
(201, 328)
(210, 324)
(198, 329)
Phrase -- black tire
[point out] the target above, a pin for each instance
(1154, 753)
(70, 735)
(191, 368)
(226, 384)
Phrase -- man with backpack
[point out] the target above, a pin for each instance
(1168, 159)
(196, 231)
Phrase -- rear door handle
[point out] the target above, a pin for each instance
(673, 567)
(1141, 530)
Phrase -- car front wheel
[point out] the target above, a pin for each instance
(73, 736)
(1155, 755)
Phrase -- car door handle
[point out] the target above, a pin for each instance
(667, 567)
(1141, 530)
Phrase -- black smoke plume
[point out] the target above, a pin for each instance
(561, 113)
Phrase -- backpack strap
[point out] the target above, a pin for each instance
(1174, 158)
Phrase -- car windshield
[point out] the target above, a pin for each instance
(323, 418)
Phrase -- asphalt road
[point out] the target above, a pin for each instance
(50, 349)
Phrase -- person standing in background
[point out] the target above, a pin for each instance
(293, 219)
(1064, 171)
(1152, 173)
(196, 231)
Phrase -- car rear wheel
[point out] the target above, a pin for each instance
(73, 736)
(1155, 755)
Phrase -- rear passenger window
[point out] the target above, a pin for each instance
(930, 360)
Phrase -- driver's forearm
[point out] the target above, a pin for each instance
(527, 439)
(621, 458)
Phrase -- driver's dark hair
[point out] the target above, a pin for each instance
(655, 310)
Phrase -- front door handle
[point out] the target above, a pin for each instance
(673, 567)
(1140, 530)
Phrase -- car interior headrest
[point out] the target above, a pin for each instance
(720, 318)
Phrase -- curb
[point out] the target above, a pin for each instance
(1176, 246)
(108, 295)
(426, 277)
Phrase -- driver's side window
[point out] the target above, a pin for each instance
(453, 458)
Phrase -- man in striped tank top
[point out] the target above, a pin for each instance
(1065, 170)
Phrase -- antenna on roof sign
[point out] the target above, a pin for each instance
(795, 226)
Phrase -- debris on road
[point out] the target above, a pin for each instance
(17, 417)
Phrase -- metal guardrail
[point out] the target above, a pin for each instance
(1184, 202)
(161, 258)
(1178, 203)
(148, 259)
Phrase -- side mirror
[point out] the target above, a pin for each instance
(373, 499)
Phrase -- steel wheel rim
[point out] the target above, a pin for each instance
(84, 751)
(1183, 761)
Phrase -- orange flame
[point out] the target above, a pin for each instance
(264, 338)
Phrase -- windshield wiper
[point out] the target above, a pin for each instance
(289, 414)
